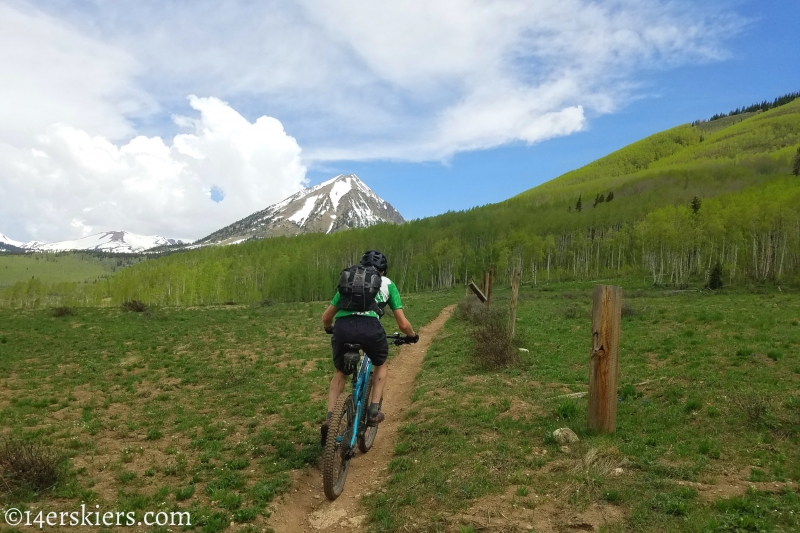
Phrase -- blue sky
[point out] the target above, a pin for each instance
(763, 64)
(178, 118)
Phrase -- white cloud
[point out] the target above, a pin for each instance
(147, 186)
(351, 79)
(52, 73)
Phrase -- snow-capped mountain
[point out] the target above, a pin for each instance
(337, 204)
(10, 245)
(106, 241)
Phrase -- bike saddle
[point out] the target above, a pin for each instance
(355, 347)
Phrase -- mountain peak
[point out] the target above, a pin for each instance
(339, 203)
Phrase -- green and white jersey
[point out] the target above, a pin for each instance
(388, 295)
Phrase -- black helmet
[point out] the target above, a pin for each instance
(376, 259)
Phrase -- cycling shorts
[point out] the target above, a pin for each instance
(363, 330)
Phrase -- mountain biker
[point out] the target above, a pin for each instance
(364, 328)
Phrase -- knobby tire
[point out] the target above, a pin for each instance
(334, 465)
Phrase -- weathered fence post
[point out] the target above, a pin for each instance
(604, 358)
(512, 319)
(477, 291)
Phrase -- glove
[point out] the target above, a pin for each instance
(414, 339)
(329, 330)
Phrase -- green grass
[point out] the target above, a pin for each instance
(59, 268)
(206, 409)
(693, 414)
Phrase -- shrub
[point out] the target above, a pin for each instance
(28, 465)
(493, 347)
(469, 308)
(756, 407)
(134, 306)
(266, 302)
(62, 311)
(572, 311)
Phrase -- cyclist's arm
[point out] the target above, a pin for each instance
(327, 316)
(403, 323)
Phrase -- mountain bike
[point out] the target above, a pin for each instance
(348, 428)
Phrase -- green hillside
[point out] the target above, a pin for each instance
(635, 218)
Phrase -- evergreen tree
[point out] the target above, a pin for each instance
(598, 199)
(715, 279)
(579, 205)
(796, 166)
(610, 196)
(696, 204)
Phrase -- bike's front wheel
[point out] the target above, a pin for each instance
(366, 434)
(337, 453)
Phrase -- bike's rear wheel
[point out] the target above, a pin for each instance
(366, 434)
(336, 456)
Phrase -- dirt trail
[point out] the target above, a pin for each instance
(305, 509)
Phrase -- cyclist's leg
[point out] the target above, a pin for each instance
(336, 388)
(377, 348)
(378, 381)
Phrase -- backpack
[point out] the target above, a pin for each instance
(358, 287)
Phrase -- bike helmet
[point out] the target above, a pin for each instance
(376, 259)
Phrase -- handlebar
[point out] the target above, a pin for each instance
(397, 339)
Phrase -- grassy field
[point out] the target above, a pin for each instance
(57, 268)
(204, 409)
(708, 433)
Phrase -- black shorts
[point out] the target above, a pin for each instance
(364, 330)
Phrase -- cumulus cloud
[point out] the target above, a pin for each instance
(409, 80)
(146, 185)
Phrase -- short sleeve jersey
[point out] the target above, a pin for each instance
(388, 295)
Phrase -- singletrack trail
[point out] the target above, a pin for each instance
(304, 509)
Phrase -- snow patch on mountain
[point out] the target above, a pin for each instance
(339, 189)
(10, 241)
(106, 241)
(302, 215)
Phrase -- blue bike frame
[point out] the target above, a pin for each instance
(359, 391)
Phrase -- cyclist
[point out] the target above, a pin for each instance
(364, 328)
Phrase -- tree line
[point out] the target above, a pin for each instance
(682, 207)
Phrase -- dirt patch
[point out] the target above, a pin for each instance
(510, 512)
(305, 508)
(730, 485)
(520, 410)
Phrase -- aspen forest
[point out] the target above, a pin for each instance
(668, 209)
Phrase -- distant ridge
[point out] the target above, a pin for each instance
(105, 241)
(754, 108)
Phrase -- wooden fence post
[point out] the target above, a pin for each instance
(477, 291)
(512, 319)
(604, 358)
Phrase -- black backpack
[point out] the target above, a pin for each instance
(358, 287)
